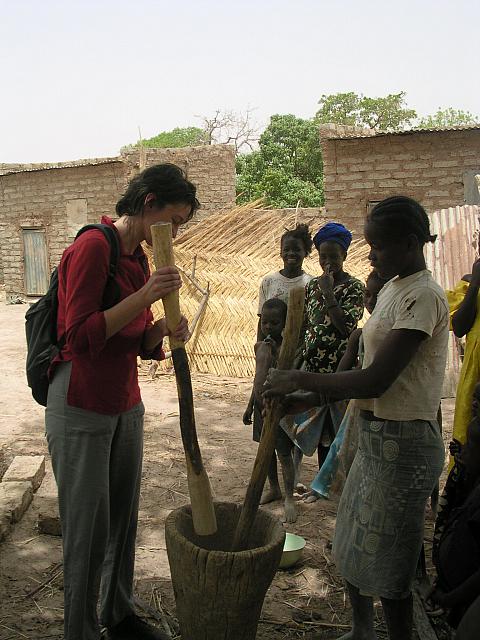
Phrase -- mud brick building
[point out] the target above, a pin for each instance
(43, 206)
(436, 167)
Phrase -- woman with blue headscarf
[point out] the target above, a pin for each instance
(333, 307)
(333, 303)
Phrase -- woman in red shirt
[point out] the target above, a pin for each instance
(94, 415)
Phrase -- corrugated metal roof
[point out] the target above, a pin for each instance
(7, 169)
(356, 135)
(449, 258)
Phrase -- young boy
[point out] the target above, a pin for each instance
(272, 323)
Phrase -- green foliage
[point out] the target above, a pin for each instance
(339, 108)
(179, 137)
(286, 168)
(448, 118)
(386, 114)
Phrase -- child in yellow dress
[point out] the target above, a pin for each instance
(464, 302)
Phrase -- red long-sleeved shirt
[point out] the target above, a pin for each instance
(104, 372)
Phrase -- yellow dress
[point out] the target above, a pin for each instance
(470, 373)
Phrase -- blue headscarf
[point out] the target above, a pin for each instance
(333, 232)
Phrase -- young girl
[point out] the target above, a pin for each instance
(272, 321)
(295, 245)
(94, 415)
(379, 527)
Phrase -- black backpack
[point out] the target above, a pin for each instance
(43, 344)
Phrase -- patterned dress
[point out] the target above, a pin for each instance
(324, 346)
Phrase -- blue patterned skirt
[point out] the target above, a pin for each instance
(380, 519)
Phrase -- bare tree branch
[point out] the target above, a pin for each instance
(231, 127)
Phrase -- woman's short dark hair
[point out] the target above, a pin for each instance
(401, 216)
(302, 233)
(166, 181)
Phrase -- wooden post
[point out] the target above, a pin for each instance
(203, 513)
(266, 447)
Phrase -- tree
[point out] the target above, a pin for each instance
(231, 127)
(179, 137)
(339, 108)
(224, 127)
(448, 118)
(382, 114)
(287, 166)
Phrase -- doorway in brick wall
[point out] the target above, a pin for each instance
(35, 258)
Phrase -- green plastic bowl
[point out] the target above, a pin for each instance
(292, 550)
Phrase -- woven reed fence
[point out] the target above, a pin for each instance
(230, 252)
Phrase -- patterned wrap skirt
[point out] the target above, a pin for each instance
(380, 520)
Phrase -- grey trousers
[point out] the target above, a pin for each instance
(97, 463)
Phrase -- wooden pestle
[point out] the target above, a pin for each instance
(203, 514)
(266, 448)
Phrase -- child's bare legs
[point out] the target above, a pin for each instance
(297, 462)
(288, 472)
(399, 617)
(362, 616)
(322, 453)
(273, 492)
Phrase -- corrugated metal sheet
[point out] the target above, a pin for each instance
(449, 259)
(7, 169)
(404, 132)
(453, 254)
(36, 262)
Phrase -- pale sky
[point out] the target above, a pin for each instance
(79, 77)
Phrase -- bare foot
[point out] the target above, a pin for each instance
(270, 495)
(290, 510)
(300, 488)
(311, 496)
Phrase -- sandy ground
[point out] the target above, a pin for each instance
(307, 601)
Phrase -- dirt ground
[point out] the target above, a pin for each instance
(307, 601)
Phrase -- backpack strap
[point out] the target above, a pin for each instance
(112, 237)
(111, 293)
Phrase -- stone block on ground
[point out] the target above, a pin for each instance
(5, 524)
(15, 497)
(48, 520)
(26, 468)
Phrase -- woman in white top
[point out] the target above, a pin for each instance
(379, 528)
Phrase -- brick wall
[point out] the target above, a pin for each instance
(38, 199)
(211, 168)
(428, 166)
(52, 198)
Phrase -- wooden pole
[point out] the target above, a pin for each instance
(203, 513)
(266, 447)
